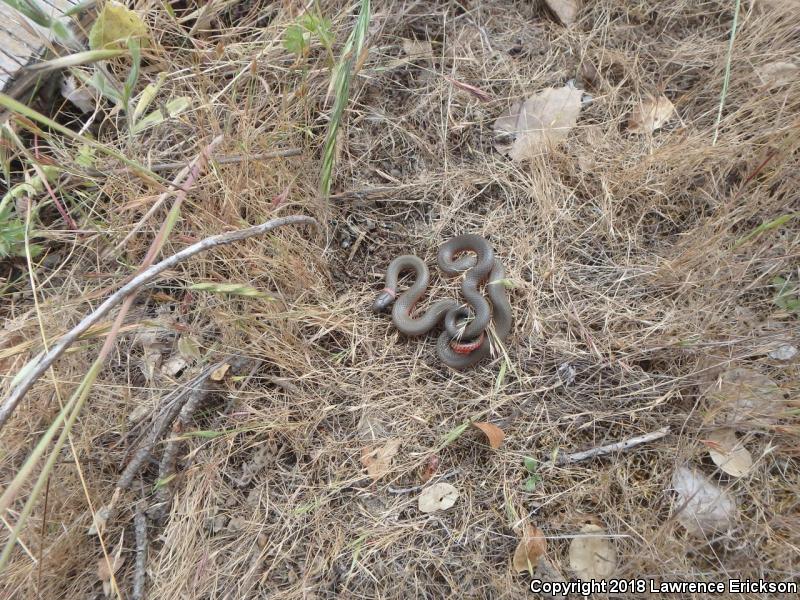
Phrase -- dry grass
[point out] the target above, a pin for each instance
(622, 249)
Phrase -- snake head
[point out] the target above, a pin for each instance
(384, 300)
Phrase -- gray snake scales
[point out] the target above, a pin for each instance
(458, 346)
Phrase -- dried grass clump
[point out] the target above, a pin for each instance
(634, 266)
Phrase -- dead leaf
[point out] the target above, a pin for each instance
(530, 549)
(431, 466)
(493, 433)
(704, 507)
(153, 345)
(219, 373)
(784, 352)
(370, 427)
(189, 348)
(378, 459)
(439, 496)
(565, 10)
(728, 453)
(100, 519)
(650, 114)
(776, 74)
(81, 97)
(107, 568)
(747, 399)
(592, 554)
(539, 123)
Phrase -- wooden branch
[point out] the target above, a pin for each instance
(32, 371)
(568, 459)
(140, 571)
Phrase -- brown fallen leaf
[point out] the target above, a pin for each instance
(107, 568)
(378, 459)
(430, 468)
(565, 11)
(530, 549)
(650, 114)
(439, 496)
(728, 453)
(539, 123)
(592, 554)
(493, 433)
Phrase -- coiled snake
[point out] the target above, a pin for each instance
(459, 346)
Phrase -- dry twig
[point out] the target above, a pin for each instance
(140, 571)
(34, 371)
(568, 459)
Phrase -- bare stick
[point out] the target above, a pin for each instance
(568, 459)
(35, 370)
(139, 574)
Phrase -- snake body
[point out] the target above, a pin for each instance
(401, 311)
(460, 345)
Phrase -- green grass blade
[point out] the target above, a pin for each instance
(727, 78)
(9, 103)
(342, 73)
(73, 60)
(768, 226)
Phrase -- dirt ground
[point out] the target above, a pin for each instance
(652, 278)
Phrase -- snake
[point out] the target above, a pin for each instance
(460, 345)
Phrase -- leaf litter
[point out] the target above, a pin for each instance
(703, 507)
(378, 459)
(551, 213)
(533, 126)
(747, 399)
(439, 496)
(728, 453)
(494, 435)
(650, 114)
(108, 567)
(565, 10)
(592, 555)
(531, 548)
